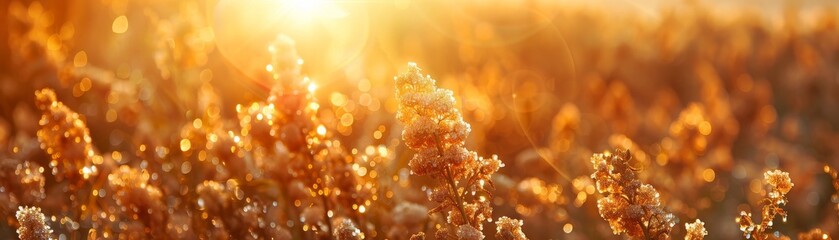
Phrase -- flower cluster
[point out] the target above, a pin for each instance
(229, 214)
(65, 137)
(509, 229)
(695, 230)
(628, 205)
(435, 129)
(689, 135)
(139, 199)
(33, 224)
(285, 137)
(20, 183)
(410, 218)
(345, 229)
(779, 184)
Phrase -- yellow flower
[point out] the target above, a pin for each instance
(779, 181)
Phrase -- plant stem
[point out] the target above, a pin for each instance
(450, 180)
(458, 200)
(646, 231)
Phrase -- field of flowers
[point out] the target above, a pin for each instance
(404, 119)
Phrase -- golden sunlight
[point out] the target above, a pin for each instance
(419, 119)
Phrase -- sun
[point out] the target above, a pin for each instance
(308, 11)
